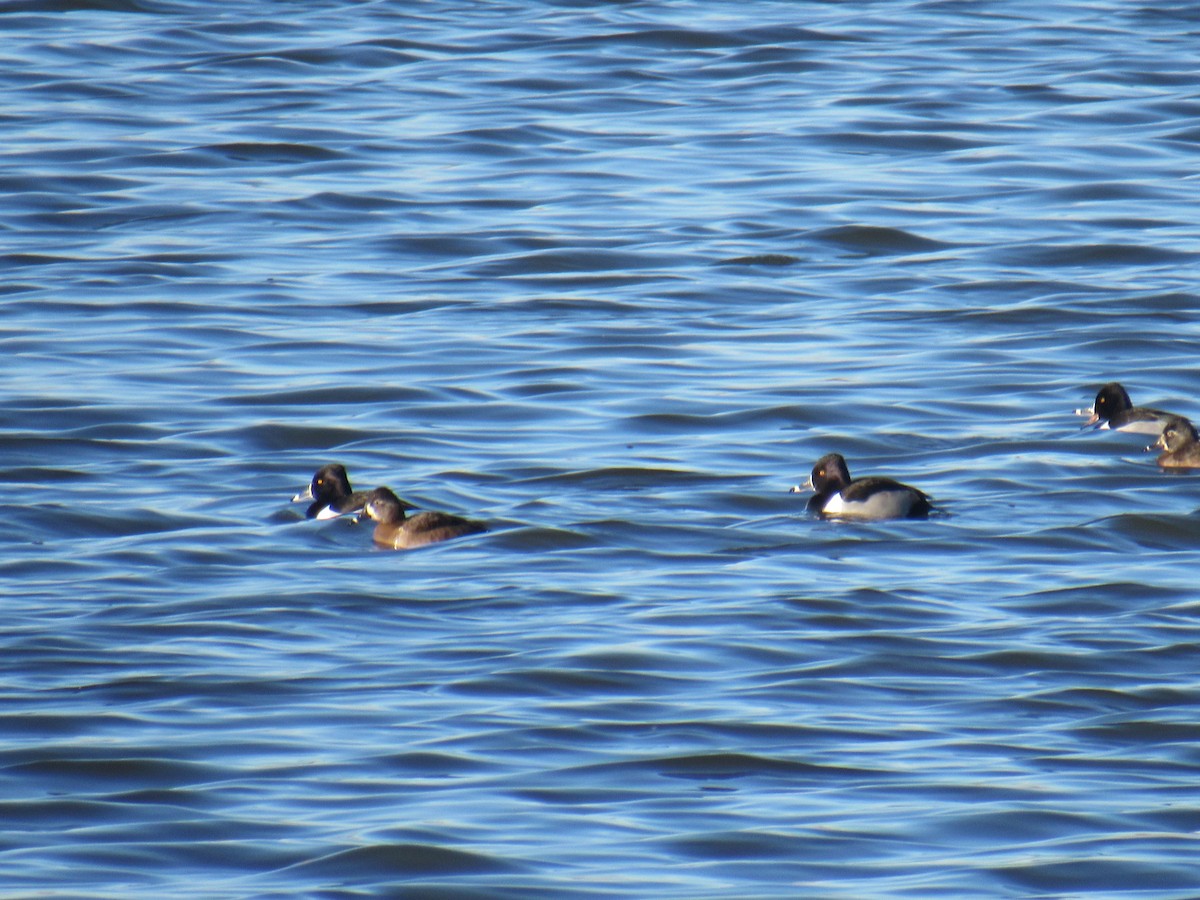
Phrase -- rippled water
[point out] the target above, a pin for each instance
(610, 277)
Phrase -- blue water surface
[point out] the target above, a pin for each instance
(610, 277)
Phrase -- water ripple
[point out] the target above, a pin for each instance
(610, 278)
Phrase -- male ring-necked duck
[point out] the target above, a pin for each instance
(1180, 444)
(331, 494)
(1113, 409)
(864, 498)
(399, 532)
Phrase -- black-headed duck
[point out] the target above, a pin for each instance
(864, 498)
(330, 494)
(1113, 409)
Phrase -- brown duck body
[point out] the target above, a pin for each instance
(424, 528)
(1180, 445)
(397, 531)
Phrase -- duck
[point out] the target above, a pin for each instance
(397, 531)
(331, 494)
(1180, 444)
(863, 498)
(1113, 409)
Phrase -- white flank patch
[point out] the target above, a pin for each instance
(328, 512)
(835, 506)
(1143, 426)
(882, 505)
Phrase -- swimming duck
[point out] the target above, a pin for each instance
(399, 532)
(1113, 409)
(331, 494)
(1180, 443)
(864, 498)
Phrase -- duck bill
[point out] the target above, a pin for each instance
(801, 488)
(1093, 416)
(307, 494)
